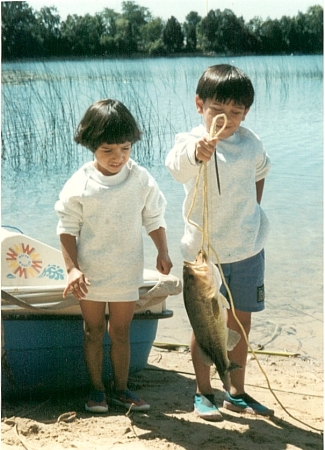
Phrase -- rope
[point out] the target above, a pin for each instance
(205, 239)
(13, 300)
(212, 134)
(65, 417)
(179, 346)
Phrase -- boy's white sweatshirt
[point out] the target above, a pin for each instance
(238, 226)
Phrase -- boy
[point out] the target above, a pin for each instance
(238, 226)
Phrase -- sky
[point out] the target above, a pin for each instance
(274, 9)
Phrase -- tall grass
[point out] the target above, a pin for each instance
(40, 114)
(42, 103)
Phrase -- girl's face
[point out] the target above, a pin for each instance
(211, 108)
(110, 158)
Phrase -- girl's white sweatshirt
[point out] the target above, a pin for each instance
(106, 214)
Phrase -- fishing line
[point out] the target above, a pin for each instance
(206, 240)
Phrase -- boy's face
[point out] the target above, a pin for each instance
(211, 108)
(110, 158)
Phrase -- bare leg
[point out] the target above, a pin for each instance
(120, 317)
(94, 326)
(202, 371)
(239, 354)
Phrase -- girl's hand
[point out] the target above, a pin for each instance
(77, 284)
(164, 263)
(205, 147)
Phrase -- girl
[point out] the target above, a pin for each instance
(102, 209)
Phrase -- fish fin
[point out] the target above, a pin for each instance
(215, 304)
(233, 339)
(217, 277)
(205, 358)
(224, 301)
(233, 366)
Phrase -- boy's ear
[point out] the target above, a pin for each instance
(199, 104)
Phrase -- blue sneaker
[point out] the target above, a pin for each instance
(206, 408)
(244, 403)
(96, 402)
(129, 400)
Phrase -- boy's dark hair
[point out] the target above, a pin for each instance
(224, 83)
(107, 121)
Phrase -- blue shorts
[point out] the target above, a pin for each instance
(245, 280)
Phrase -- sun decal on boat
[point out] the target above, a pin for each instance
(23, 261)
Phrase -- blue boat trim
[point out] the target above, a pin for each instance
(143, 316)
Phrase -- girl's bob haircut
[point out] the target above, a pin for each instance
(107, 121)
(226, 83)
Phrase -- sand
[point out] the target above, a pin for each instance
(58, 421)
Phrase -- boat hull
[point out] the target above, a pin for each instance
(45, 353)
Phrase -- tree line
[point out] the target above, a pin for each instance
(27, 33)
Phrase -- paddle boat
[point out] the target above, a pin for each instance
(42, 333)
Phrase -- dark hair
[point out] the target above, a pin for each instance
(224, 83)
(106, 121)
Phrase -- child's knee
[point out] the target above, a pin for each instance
(119, 333)
(95, 333)
(244, 319)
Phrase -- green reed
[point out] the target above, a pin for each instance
(43, 103)
(40, 115)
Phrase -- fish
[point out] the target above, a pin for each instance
(206, 310)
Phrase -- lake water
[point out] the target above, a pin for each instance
(41, 111)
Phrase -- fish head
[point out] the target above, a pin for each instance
(199, 277)
(201, 258)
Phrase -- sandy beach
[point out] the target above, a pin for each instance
(56, 421)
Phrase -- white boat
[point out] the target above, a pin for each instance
(42, 333)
